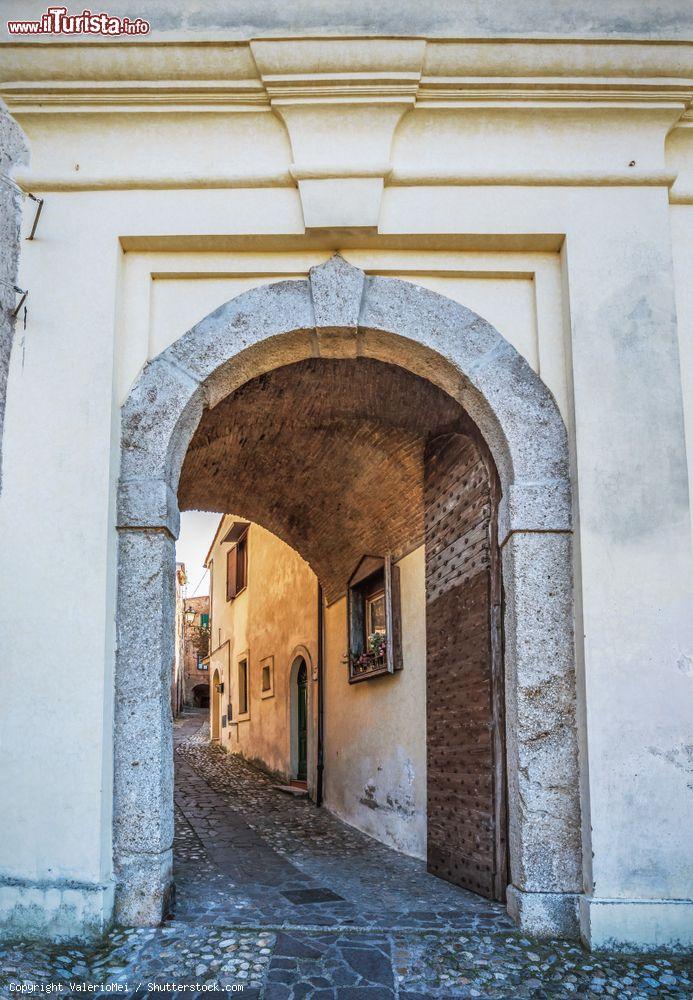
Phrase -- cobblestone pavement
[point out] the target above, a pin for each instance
(280, 898)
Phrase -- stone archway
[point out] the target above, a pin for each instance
(340, 313)
(200, 695)
(299, 716)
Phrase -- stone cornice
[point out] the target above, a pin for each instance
(342, 100)
(552, 91)
(134, 95)
(47, 76)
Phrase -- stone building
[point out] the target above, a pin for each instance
(406, 286)
(195, 651)
(190, 677)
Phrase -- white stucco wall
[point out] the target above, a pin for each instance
(375, 731)
(532, 217)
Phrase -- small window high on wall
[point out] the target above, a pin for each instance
(236, 560)
(243, 694)
(373, 619)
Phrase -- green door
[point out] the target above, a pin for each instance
(302, 706)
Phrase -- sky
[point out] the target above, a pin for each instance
(197, 529)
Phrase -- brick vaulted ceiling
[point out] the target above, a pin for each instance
(327, 454)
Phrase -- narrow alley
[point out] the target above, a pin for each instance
(277, 899)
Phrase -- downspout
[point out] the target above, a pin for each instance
(321, 763)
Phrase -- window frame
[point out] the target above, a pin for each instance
(364, 585)
(244, 658)
(242, 562)
(237, 567)
(267, 663)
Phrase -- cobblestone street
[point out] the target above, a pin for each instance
(279, 897)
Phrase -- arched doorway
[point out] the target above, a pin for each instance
(216, 707)
(299, 719)
(340, 314)
(200, 695)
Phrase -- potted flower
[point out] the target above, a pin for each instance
(373, 657)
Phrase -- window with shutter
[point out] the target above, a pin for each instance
(237, 568)
(231, 574)
(242, 563)
(373, 619)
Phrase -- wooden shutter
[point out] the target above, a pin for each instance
(242, 563)
(465, 735)
(231, 563)
(392, 612)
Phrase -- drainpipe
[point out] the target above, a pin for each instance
(321, 764)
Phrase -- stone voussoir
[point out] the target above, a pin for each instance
(211, 347)
(147, 503)
(157, 421)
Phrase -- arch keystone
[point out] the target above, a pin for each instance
(336, 288)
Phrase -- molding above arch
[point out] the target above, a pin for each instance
(315, 84)
(303, 651)
(339, 312)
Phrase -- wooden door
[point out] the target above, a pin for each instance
(302, 720)
(216, 706)
(465, 732)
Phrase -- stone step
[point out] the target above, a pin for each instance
(296, 791)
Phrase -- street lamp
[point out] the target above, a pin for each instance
(189, 616)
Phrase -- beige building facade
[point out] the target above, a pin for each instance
(365, 757)
(264, 624)
(510, 200)
(196, 651)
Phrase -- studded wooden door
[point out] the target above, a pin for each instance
(464, 698)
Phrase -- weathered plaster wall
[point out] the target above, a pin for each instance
(680, 156)
(375, 736)
(60, 391)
